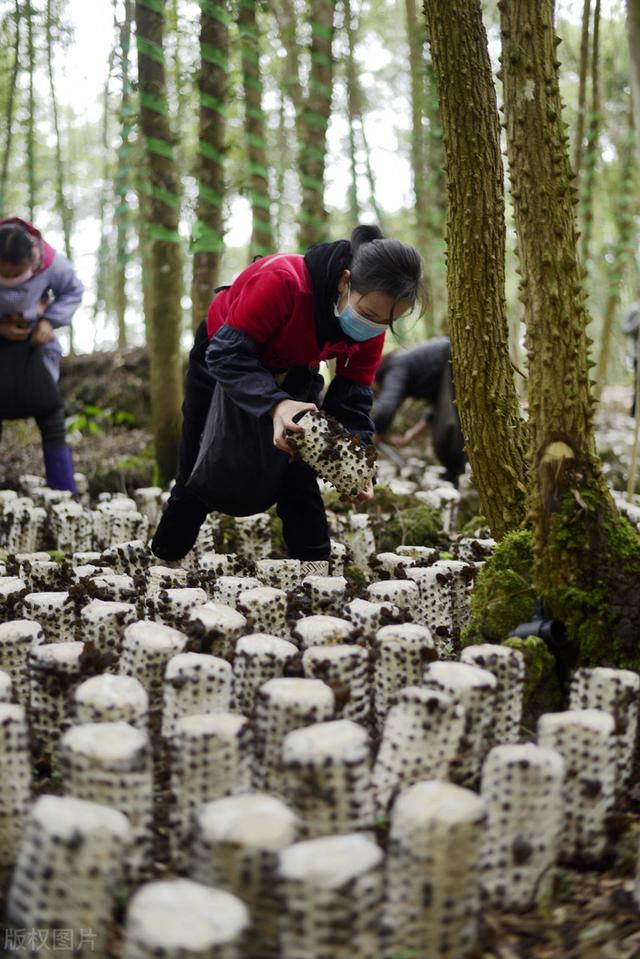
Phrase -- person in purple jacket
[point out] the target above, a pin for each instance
(39, 293)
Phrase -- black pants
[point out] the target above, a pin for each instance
(51, 426)
(299, 504)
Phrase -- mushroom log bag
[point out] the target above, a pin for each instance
(239, 471)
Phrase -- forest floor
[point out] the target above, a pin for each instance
(591, 914)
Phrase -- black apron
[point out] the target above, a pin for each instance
(26, 385)
(239, 471)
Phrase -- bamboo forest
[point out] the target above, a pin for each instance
(320, 479)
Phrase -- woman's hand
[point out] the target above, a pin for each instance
(282, 415)
(362, 497)
(43, 333)
(14, 328)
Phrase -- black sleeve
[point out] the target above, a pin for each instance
(350, 403)
(392, 393)
(233, 359)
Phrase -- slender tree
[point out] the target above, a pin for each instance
(486, 397)
(582, 89)
(31, 114)
(633, 32)
(262, 239)
(621, 254)
(123, 176)
(212, 83)
(11, 105)
(352, 110)
(357, 128)
(62, 200)
(437, 204)
(592, 153)
(586, 558)
(368, 167)
(282, 162)
(165, 261)
(314, 123)
(102, 258)
(312, 107)
(416, 38)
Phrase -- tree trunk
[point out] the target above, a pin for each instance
(621, 255)
(633, 31)
(416, 38)
(586, 558)
(352, 111)
(592, 154)
(102, 266)
(9, 115)
(64, 210)
(582, 91)
(371, 180)
(31, 118)
(282, 164)
(437, 192)
(208, 242)
(482, 373)
(314, 122)
(162, 227)
(262, 240)
(122, 214)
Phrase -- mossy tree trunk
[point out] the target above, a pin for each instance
(208, 241)
(586, 558)
(262, 240)
(486, 397)
(162, 208)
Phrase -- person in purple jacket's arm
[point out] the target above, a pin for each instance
(39, 293)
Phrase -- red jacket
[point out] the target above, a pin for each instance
(272, 302)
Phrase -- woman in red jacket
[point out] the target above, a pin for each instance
(264, 338)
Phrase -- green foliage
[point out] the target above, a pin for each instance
(93, 420)
(542, 691)
(356, 576)
(503, 596)
(416, 526)
(124, 475)
(477, 526)
(598, 615)
(57, 556)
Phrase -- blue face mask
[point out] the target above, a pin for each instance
(358, 327)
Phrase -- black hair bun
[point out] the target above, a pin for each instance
(365, 233)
